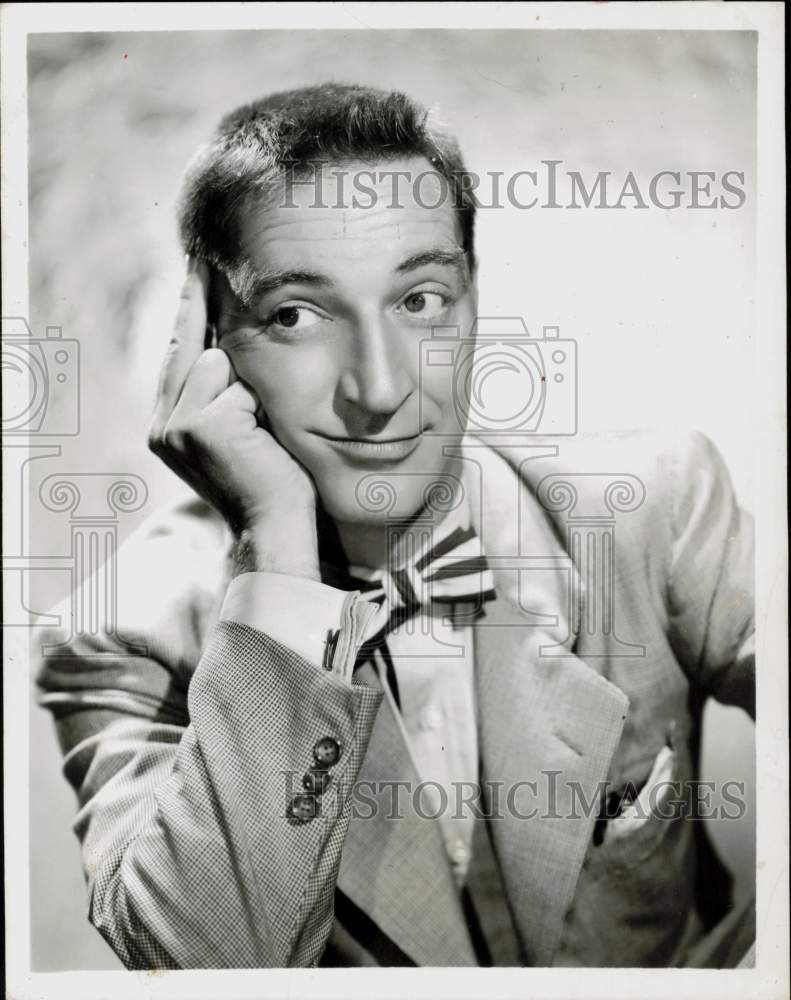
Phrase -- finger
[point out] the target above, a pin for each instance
(236, 397)
(188, 338)
(243, 398)
(207, 379)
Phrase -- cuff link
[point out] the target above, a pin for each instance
(330, 645)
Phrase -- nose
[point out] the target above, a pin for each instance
(378, 378)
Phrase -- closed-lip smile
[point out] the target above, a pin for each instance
(374, 449)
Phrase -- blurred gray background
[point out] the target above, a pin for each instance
(661, 303)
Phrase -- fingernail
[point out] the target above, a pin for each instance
(191, 263)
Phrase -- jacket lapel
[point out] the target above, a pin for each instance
(396, 870)
(548, 729)
(548, 726)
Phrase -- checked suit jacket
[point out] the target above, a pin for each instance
(177, 730)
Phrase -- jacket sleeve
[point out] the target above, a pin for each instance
(190, 855)
(710, 590)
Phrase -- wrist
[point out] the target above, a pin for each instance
(288, 545)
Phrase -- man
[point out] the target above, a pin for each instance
(359, 604)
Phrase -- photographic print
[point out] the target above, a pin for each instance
(393, 434)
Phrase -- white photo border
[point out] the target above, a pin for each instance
(769, 979)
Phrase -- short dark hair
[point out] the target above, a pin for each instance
(294, 130)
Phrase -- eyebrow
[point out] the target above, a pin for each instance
(455, 258)
(254, 287)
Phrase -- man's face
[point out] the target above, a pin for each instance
(330, 338)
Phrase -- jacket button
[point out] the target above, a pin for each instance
(327, 751)
(316, 781)
(458, 853)
(303, 808)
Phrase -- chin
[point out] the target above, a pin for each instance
(374, 497)
(368, 498)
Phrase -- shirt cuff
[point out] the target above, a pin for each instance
(322, 624)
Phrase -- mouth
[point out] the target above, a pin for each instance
(374, 449)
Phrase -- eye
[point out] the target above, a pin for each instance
(424, 304)
(294, 317)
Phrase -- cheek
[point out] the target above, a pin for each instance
(437, 384)
(290, 385)
(439, 381)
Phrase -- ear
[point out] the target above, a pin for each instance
(224, 305)
(473, 290)
(213, 297)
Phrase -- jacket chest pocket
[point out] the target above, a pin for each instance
(644, 818)
(636, 890)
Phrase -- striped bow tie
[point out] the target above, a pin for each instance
(454, 572)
